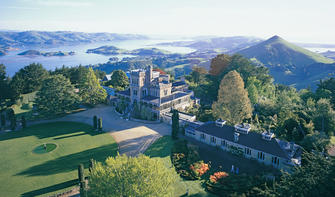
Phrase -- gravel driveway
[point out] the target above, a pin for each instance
(132, 137)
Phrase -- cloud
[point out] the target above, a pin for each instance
(19, 7)
(65, 3)
(61, 3)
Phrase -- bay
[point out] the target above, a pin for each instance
(14, 62)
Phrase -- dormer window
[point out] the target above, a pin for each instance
(220, 122)
(243, 128)
(267, 135)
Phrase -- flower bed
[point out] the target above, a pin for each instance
(199, 168)
(187, 161)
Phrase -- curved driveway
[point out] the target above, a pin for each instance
(132, 137)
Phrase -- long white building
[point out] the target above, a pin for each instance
(238, 139)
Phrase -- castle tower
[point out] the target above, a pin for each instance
(148, 75)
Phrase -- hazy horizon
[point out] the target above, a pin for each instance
(295, 21)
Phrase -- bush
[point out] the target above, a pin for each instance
(95, 122)
(100, 124)
(217, 176)
(199, 168)
(183, 158)
(81, 177)
(13, 123)
(23, 122)
(3, 120)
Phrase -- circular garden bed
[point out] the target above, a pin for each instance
(45, 148)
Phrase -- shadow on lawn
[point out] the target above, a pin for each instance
(52, 188)
(70, 162)
(52, 129)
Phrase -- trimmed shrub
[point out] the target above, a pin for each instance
(95, 122)
(23, 122)
(3, 120)
(13, 122)
(100, 124)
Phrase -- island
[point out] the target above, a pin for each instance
(113, 50)
(45, 54)
(108, 50)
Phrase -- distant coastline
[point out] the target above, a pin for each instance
(45, 54)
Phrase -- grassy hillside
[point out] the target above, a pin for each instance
(278, 52)
(290, 64)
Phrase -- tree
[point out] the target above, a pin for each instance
(100, 124)
(315, 141)
(219, 64)
(3, 120)
(198, 73)
(119, 80)
(95, 122)
(131, 176)
(175, 124)
(314, 178)
(325, 117)
(29, 78)
(233, 103)
(57, 96)
(23, 122)
(13, 122)
(91, 165)
(7, 95)
(90, 90)
(81, 179)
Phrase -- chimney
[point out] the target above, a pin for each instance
(236, 136)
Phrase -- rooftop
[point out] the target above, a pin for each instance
(252, 139)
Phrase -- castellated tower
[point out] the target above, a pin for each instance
(148, 75)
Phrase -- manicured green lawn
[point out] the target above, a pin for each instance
(25, 173)
(161, 149)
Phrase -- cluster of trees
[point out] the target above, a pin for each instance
(59, 91)
(238, 91)
(119, 80)
(131, 176)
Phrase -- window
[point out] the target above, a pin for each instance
(261, 156)
(190, 131)
(247, 151)
(135, 92)
(223, 143)
(203, 136)
(165, 92)
(213, 139)
(275, 160)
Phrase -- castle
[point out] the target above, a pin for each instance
(154, 89)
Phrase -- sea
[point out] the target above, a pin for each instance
(14, 62)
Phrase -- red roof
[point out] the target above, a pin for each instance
(160, 71)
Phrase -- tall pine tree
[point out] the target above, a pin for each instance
(175, 124)
(233, 103)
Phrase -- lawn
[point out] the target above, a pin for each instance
(25, 173)
(161, 149)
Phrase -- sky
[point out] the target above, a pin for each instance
(309, 21)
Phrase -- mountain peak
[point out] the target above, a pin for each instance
(275, 38)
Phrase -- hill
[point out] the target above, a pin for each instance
(112, 50)
(278, 52)
(46, 54)
(220, 44)
(28, 38)
(107, 50)
(288, 63)
(329, 54)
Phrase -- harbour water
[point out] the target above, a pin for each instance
(14, 62)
